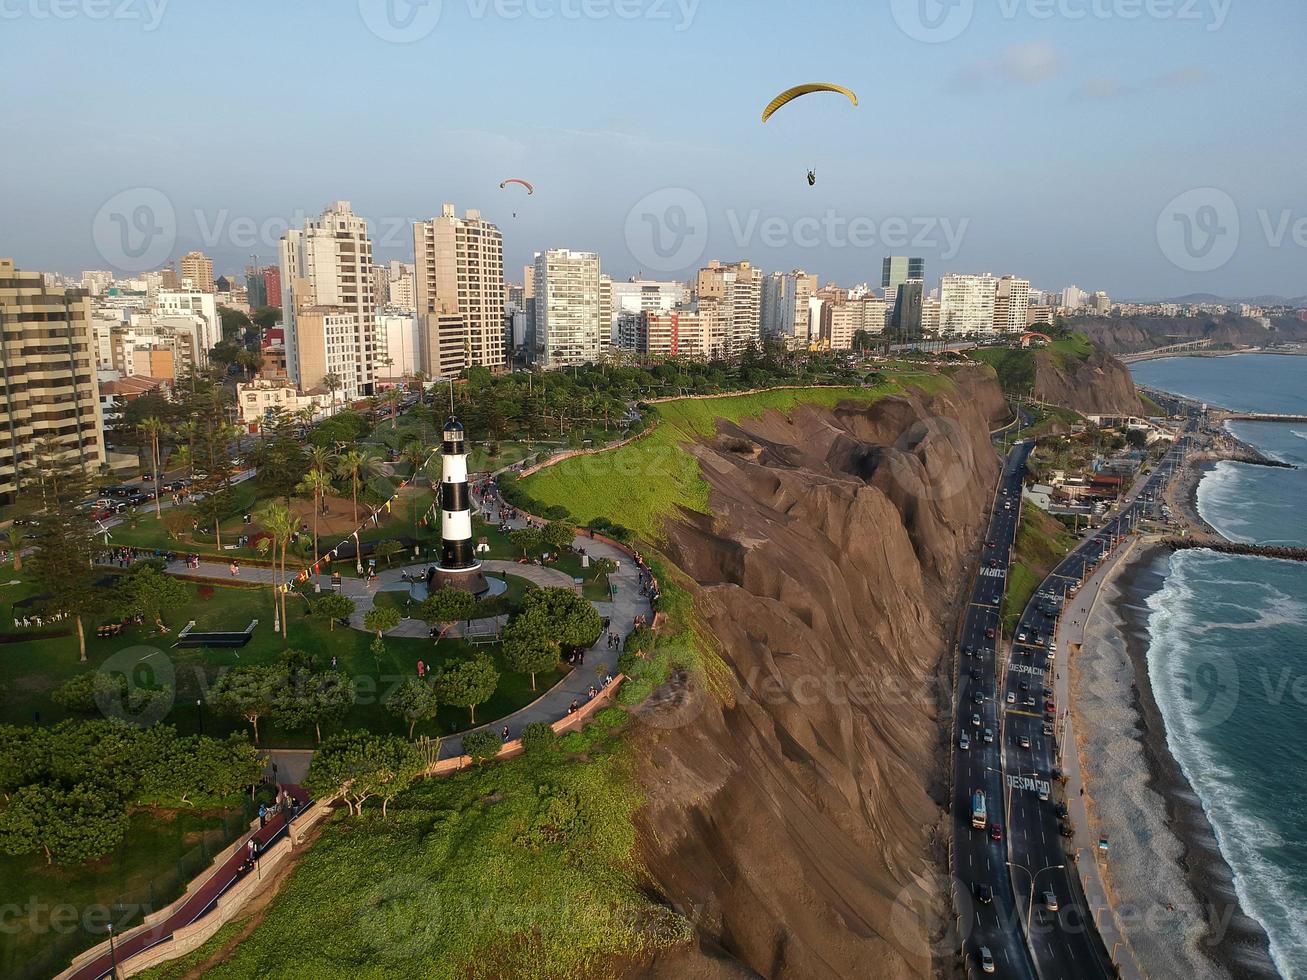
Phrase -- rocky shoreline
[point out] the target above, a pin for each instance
(1170, 881)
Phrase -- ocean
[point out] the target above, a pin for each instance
(1227, 658)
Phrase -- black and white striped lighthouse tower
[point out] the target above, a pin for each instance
(458, 564)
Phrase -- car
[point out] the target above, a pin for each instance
(989, 734)
(989, 633)
(975, 721)
(1060, 810)
(1029, 702)
(1025, 685)
(1021, 637)
(984, 893)
(1050, 901)
(1024, 741)
(966, 650)
(1066, 830)
(1011, 698)
(995, 832)
(1036, 639)
(975, 674)
(978, 697)
(964, 741)
(990, 544)
(1048, 692)
(993, 563)
(1052, 655)
(1048, 728)
(986, 960)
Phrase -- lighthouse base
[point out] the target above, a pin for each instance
(468, 579)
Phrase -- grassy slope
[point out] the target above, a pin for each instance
(1016, 366)
(1042, 542)
(637, 485)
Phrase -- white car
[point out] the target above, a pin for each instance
(1011, 698)
(964, 741)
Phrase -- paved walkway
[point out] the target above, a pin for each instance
(601, 660)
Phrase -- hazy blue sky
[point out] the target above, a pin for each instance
(1044, 143)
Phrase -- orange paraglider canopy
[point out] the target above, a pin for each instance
(530, 188)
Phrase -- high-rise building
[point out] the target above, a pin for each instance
(966, 304)
(198, 268)
(898, 269)
(930, 316)
(272, 286)
(49, 389)
(670, 333)
(906, 319)
(606, 338)
(381, 286)
(1011, 304)
(97, 282)
(326, 267)
(460, 269)
(842, 321)
(193, 304)
(796, 320)
(256, 287)
(568, 318)
(736, 289)
(1102, 303)
(771, 304)
(397, 342)
(1073, 297)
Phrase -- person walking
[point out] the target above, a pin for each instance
(263, 816)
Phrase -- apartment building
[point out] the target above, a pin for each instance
(966, 304)
(569, 319)
(48, 384)
(197, 305)
(326, 268)
(736, 289)
(1011, 304)
(460, 269)
(198, 268)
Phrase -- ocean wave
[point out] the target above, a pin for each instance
(1265, 884)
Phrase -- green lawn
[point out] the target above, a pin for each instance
(638, 484)
(56, 912)
(1042, 541)
(30, 671)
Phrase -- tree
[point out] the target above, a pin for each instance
(573, 621)
(538, 736)
(149, 593)
(358, 465)
(381, 619)
(526, 538)
(332, 382)
(603, 566)
(414, 700)
(281, 524)
(68, 825)
(198, 772)
(311, 697)
(16, 542)
(246, 692)
(356, 766)
(468, 683)
(389, 549)
(558, 534)
(317, 484)
(153, 428)
(482, 745)
(529, 647)
(445, 607)
(62, 564)
(332, 606)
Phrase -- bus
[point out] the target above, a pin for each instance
(979, 816)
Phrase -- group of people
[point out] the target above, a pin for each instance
(591, 693)
(124, 555)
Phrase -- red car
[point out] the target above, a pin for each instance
(989, 633)
(995, 832)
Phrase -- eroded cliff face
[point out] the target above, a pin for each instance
(788, 821)
(1101, 385)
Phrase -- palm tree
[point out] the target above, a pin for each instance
(391, 400)
(318, 483)
(14, 538)
(153, 429)
(358, 465)
(322, 459)
(187, 432)
(331, 381)
(277, 519)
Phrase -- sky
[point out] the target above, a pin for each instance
(1149, 148)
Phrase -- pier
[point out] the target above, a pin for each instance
(1235, 547)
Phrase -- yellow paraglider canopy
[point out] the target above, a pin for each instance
(789, 95)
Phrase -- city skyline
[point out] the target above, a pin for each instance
(1029, 144)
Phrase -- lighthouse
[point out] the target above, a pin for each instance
(458, 564)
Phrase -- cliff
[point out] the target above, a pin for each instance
(1096, 385)
(798, 820)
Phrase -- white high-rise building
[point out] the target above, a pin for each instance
(327, 267)
(647, 296)
(1011, 304)
(569, 324)
(1073, 297)
(193, 303)
(966, 304)
(798, 290)
(397, 343)
(460, 269)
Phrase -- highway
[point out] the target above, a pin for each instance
(1062, 935)
(988, 920)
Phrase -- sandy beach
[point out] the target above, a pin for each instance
(1173, 890)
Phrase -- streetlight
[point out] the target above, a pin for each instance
(199, 709)
(1030, 906)
(113, 954)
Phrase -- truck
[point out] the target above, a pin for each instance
(979, 815)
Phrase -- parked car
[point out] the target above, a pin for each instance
(964, 741)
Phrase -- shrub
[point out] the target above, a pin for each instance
(610, 718)
(538, 737)
(204, 591)
(482, 745)
(573, 742)
(556, 512)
